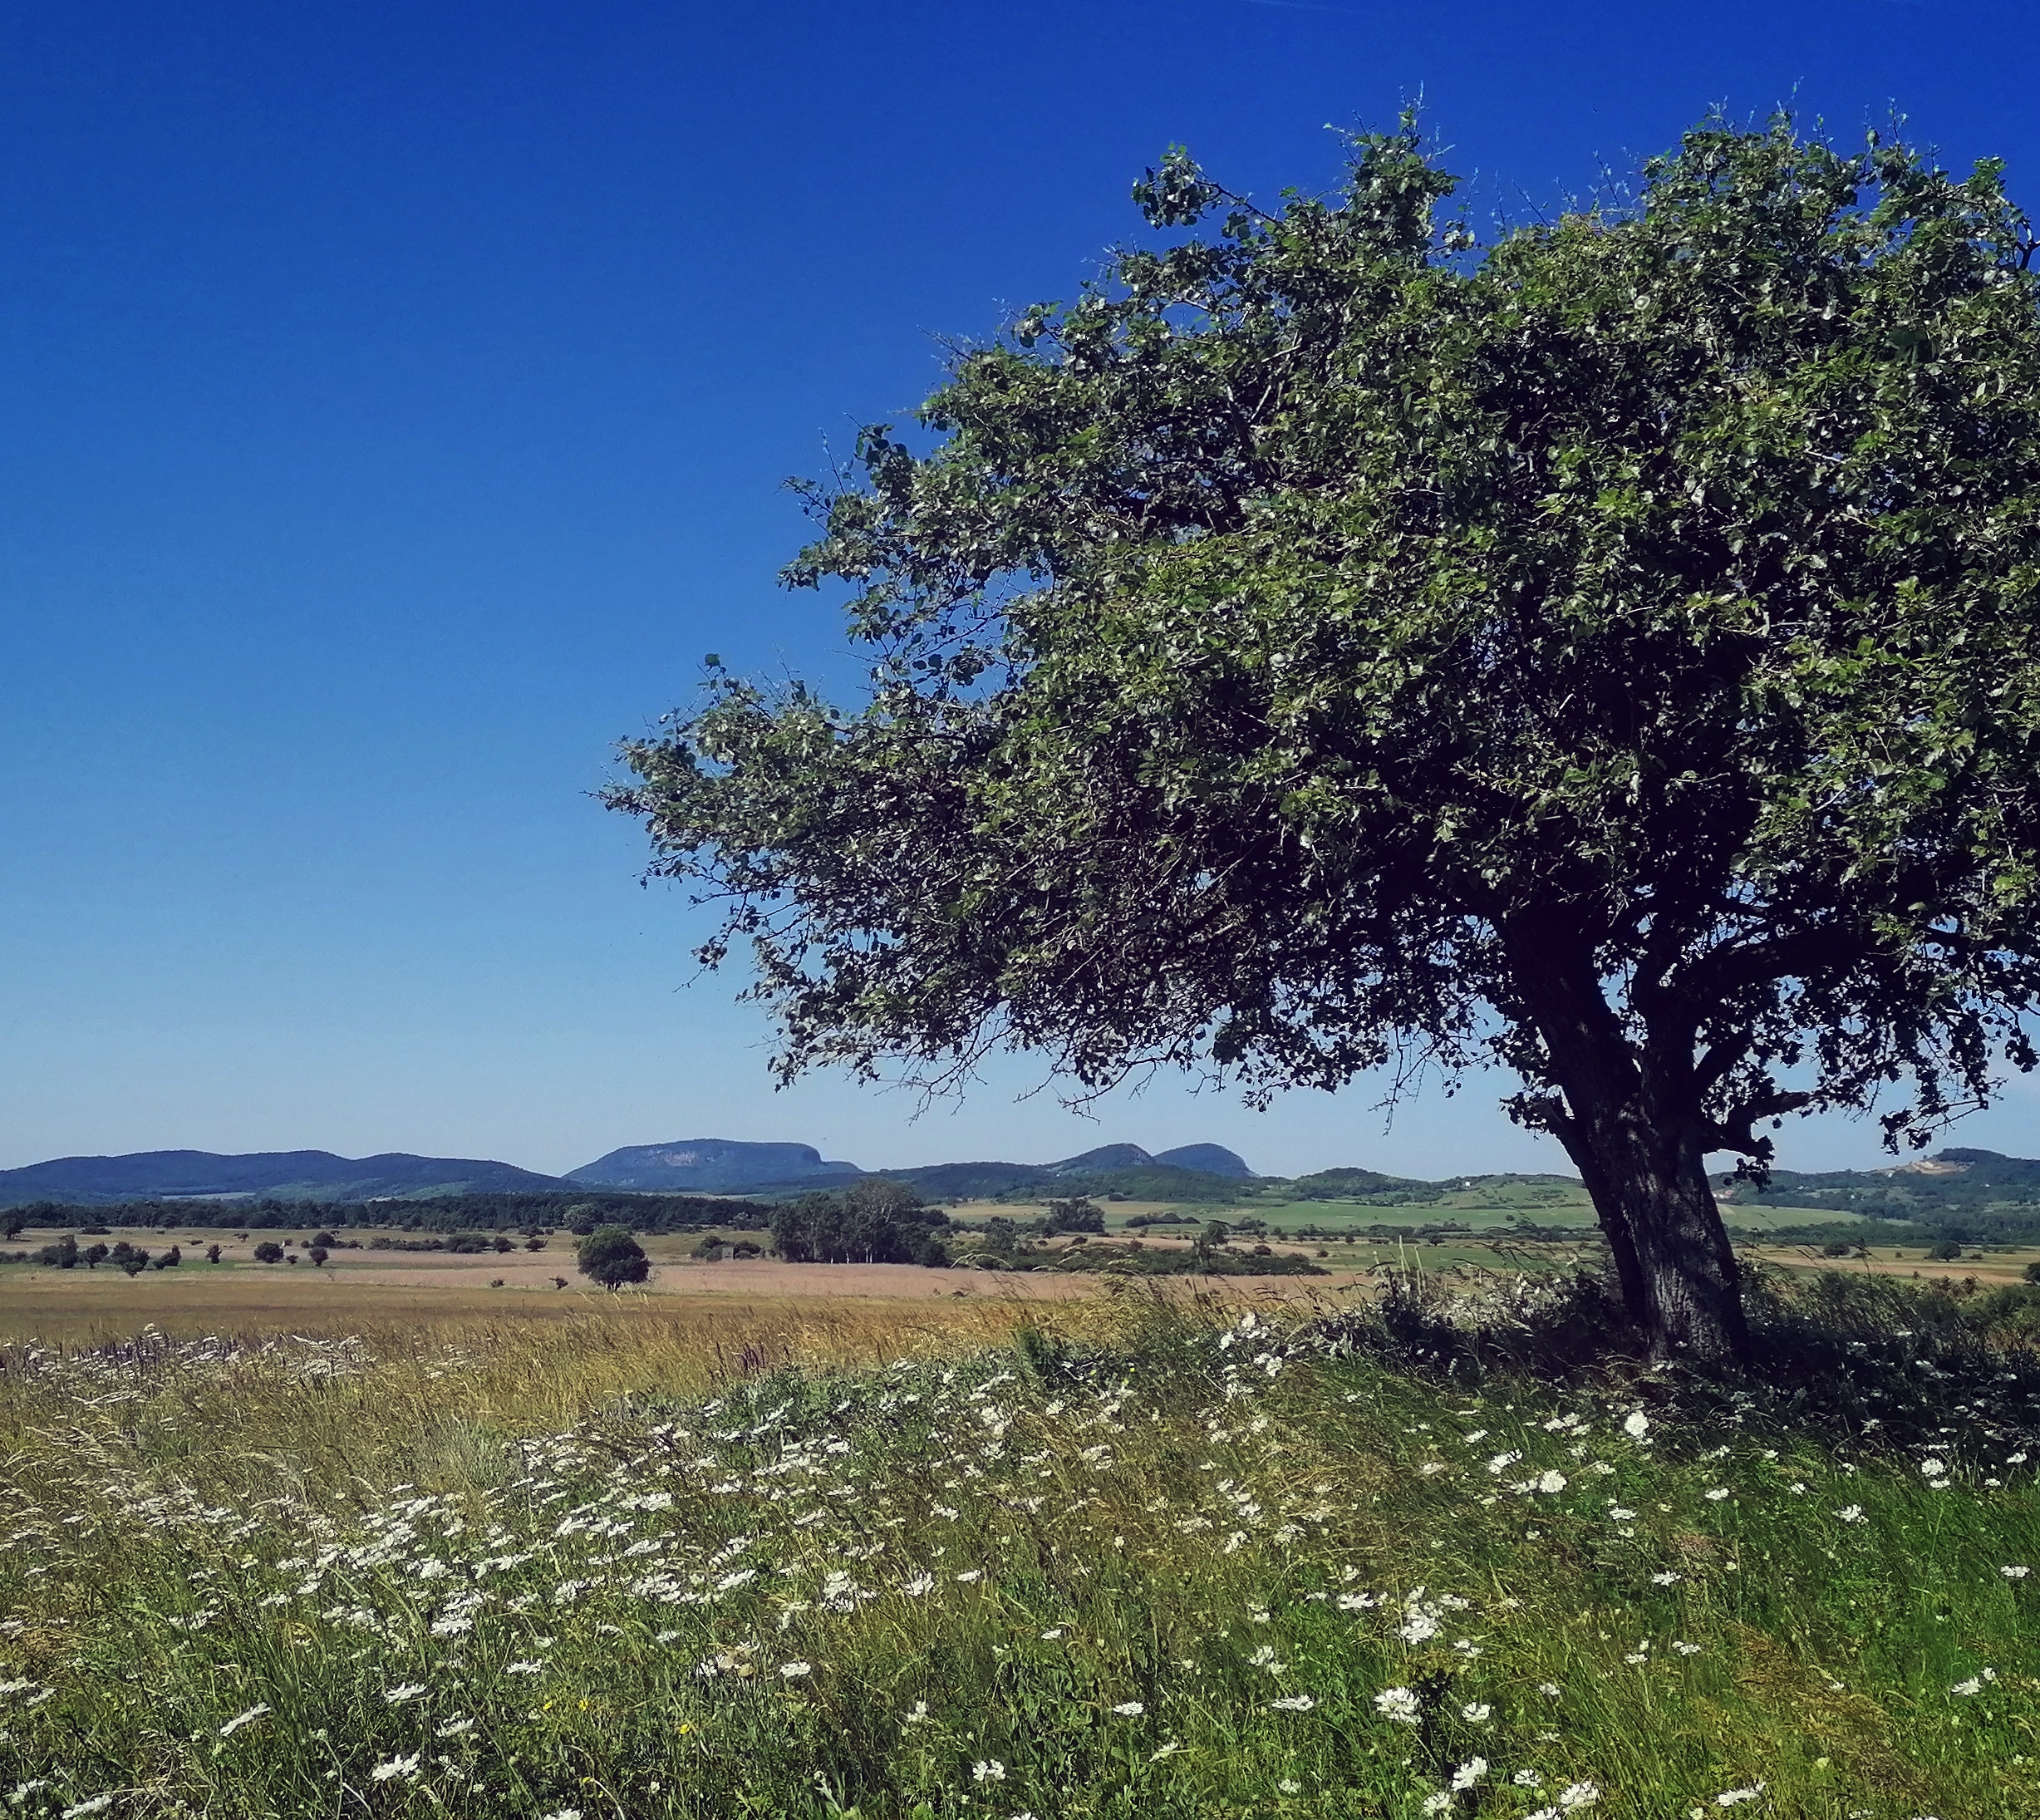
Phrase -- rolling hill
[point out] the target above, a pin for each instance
(712, 1166)
(297, 1175)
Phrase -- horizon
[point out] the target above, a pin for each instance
(401, 405)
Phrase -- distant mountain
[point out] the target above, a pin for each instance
(297, 1175)
(1106, 1156)
(712, 1166)
(1210, 1159)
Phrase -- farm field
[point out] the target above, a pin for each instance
(1137, 1554)
(370, 1287)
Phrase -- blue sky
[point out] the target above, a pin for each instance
(395, 400)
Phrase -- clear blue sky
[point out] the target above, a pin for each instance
(396, 398)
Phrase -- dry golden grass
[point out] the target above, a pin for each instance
(83, 1308)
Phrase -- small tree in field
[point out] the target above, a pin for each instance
(1613, 654)
(612, 1257)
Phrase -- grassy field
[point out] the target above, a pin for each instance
(1134, 1554)
(362, 1286)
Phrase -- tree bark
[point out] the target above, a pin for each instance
(1648, 1181)
(1633, 1124)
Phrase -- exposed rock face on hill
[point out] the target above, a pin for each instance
(287, 1174)
(711, 1165)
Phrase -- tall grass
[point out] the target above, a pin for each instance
(1163, 1559)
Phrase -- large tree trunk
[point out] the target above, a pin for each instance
(1648, 1178)
(1632, 1123)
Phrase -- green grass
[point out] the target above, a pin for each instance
(1177, 1564)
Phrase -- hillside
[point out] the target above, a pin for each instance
(285, 1174)
(712, 1165)
(1979, 1192)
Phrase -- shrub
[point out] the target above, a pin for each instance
(1945, 1250)
(317, 1254)
(269, 1252)
(612, 1257)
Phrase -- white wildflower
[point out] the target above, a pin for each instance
(1734, 1797)
(2015, 1573)
(1551, 1482)
(239, 1719)
(397, 1696)
(1477, 1712)
(406, 1766)
(988, 1769)
(795, 1671)
(1296, 1703)
(1129, 1708)
(1399, 1705)
(1468, 1773)
(1636, 1424)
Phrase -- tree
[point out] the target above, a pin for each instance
(1078, 1214)
(1326, 644)
(268, 1251)
(611, 1256)
(875, 1221)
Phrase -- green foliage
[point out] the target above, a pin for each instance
(1187, 1570)
(1074, 1215)
(446, 1213)
(872, 1221)
(612, 1257)
(268, 1251)
(1615, 654)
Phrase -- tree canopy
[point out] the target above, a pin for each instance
(1611, 651)
(611, 1256)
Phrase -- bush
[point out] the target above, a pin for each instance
(269, 1252)
(612, 1257)
(1946, 1250)
(317, 1254)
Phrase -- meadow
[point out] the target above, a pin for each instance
(1141, 1553)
